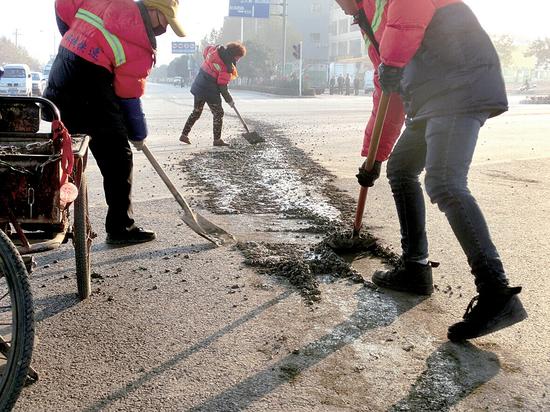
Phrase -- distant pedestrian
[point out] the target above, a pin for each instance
(332, 85)
(356, 85)
(348, 85)
(340, 81)
(218, 69)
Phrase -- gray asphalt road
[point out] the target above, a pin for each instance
(177, 324)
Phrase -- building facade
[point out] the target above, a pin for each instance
(347, 49)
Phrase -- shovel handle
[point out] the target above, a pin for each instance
(241, 118)
(371, 157)
(179, 198)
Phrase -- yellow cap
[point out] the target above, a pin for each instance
(170, 10)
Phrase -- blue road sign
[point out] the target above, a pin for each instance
(183, 47)
(258, 9)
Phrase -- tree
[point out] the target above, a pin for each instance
(265, 33)
(9, 53)
(212, 38)
(159, 73)
(257, 63)
(505, 47)
(540, 49)
(178, 67)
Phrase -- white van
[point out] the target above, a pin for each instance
(16, 81)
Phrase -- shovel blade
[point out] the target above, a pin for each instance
(205, 228)
(253, 137)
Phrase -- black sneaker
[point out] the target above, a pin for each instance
(487, 313)
(409, 277)
(130, 236)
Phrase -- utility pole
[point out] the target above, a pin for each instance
(298, 53)
(284, 15)
(16, 33)
(242, 29)
(301, 68)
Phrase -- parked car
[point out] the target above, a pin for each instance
(38, 83)
(16, 81)
(46, 73)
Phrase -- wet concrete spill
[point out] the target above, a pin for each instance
(275, 178)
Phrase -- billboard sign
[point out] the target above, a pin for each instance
(183, 47)
(258, 9)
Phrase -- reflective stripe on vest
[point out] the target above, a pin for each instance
(114, 42)
(376, 19)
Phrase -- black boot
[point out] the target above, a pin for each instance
(409, 277)
(130, 236)
(488, 312)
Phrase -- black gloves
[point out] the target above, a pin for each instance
(367, 178)
(390, 78)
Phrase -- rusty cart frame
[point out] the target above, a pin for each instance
(33, 219)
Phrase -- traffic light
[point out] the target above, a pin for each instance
(297, 50)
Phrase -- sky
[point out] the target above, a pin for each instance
(34, 22)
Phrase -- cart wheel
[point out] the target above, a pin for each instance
(82, 239)
(16, 323)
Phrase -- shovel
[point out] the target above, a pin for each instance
(196, 222)
(373, 149)
(251, 137)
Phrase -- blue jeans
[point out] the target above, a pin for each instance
(444, 146)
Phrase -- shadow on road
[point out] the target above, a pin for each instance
(52, 305)
(373, 310)
(162, 368)
(121, 257)
(453, 372)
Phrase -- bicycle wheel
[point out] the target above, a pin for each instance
(82, 239)
(16, 323)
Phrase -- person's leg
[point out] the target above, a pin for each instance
(406, 162)
(403, 170)
(193, 117)
(451, 143)
(217, 113)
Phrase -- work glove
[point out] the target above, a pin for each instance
(138, 144)
(390, 78)
(367, 178)
(231, 103)
(134, 119)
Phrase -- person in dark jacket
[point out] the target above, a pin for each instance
(443, 74)
(347, 82)
(218, 69)
(332, 85)
(356, 84)
(340, 82)
(96, 81)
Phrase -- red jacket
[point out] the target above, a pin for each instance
(111, 34)
(399, 27)
(214, 66)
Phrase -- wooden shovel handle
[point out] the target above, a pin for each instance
(383, 105)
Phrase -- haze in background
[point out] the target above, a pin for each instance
(34, 21)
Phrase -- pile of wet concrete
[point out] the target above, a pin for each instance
(277, 178)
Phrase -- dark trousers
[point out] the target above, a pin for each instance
(84, 94)
(217, 112)
(444, 147)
